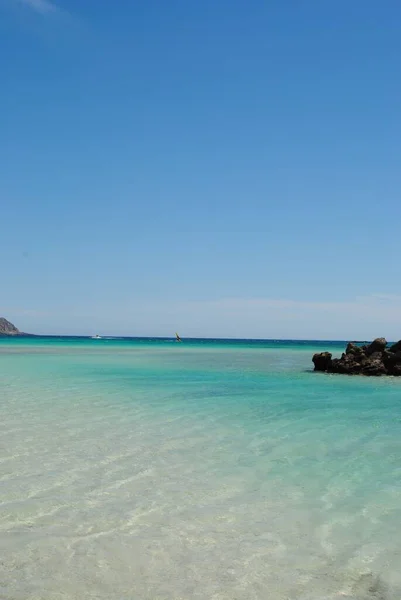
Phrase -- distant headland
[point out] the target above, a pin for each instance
(372, 359)
(9, 329)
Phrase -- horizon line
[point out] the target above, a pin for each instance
(158, 337)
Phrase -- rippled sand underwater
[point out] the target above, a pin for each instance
(172, 471)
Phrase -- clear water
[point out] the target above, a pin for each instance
(146, 469)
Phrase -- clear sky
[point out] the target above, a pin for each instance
(217, 168)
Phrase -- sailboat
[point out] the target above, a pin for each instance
(177, 337)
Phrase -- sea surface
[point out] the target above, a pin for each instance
(211, 470)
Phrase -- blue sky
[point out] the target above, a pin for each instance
(216, 168)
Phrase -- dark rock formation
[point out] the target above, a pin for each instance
(373, 359)
(7, 328)
(322, 361)
(378, 345)
(396, 347)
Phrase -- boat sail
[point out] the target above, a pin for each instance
(177, 337)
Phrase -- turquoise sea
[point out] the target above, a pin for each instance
(224, 470)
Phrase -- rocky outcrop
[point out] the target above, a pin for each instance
(7, 328)
(322, 361)
(378, 345)
(374, 359)
(395, 347)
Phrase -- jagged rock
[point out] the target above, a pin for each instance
(338, 365)
(322, 361)
(396, 370)
(371, 360)
(375, 366)
(347, 365)
(392, 357)
(392, 362)
(378, 345)
(395, 347)
(354, 349)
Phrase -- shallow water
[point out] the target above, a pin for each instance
(154, 470)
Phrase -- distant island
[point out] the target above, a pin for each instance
(8, 329)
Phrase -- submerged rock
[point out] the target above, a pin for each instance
(370, 360)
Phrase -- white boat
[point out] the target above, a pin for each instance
(96, 337)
